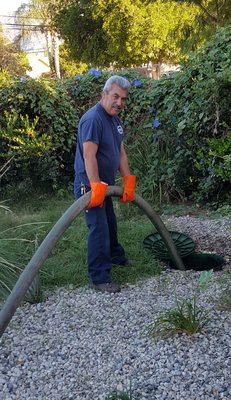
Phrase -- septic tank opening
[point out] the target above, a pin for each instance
(186, 249)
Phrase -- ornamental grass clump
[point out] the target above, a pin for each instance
(187, 317)
(120, 396)
(9, 271)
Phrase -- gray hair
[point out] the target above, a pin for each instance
(123, 83)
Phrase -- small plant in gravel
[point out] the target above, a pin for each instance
(187, 316)
(120, 396)
(34, 294)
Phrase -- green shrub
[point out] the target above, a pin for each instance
(192, 107)
(37, 121)
(186, 157)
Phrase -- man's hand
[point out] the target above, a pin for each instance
(129, 188)
(98, 193)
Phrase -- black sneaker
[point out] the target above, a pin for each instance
(107, 287)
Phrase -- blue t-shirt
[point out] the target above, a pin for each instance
(97, 126)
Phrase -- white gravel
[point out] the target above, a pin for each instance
(82, 345)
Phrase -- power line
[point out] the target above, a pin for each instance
(15, 28)
(18, 16)
(23, 25)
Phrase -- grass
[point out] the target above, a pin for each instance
(26, 226)
(122, 395)
(186, 317)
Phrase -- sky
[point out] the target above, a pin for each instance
(8, 6)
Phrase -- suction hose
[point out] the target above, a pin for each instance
(28, 274)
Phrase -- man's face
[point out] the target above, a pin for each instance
(114, 100)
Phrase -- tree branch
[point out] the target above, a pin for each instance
(213, 18)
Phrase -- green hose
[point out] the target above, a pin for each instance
(28, 274)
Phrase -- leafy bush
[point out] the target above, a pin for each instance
(178, 128)
(37, 123)
(192, 110)
(12, 59)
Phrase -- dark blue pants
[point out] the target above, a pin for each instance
(103, 248)
(102, 245)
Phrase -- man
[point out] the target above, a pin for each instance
(99, 155)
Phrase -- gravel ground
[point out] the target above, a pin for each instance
(82, 345)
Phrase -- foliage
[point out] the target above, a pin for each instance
(214, 157)
(21, 136)
(216, 12)
(68, 67)
(37, 127)
(178, 128)
(120, 396)
(67, 263)
(10, 271)
(193, 109)
(8, 276)
(35, 16)
(34, 293)
(123, 33)
(187, 317)
(13, 60)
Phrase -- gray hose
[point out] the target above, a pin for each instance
(28, 274)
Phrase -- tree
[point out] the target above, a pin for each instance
(12, 59)
(170, 28)
(69, 67)
(216, 12)
(82, 31)
(37, 14)
(123, 33)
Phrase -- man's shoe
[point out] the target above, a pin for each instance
(107, 287)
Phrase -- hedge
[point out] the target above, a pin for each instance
(178, 128)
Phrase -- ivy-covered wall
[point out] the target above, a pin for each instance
(178, 128)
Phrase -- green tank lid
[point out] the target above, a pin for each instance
(155, 243)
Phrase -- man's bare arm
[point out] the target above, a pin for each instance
(124, 166)
(90, 160)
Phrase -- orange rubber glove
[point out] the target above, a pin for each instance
(98, 193)
(129, 188)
